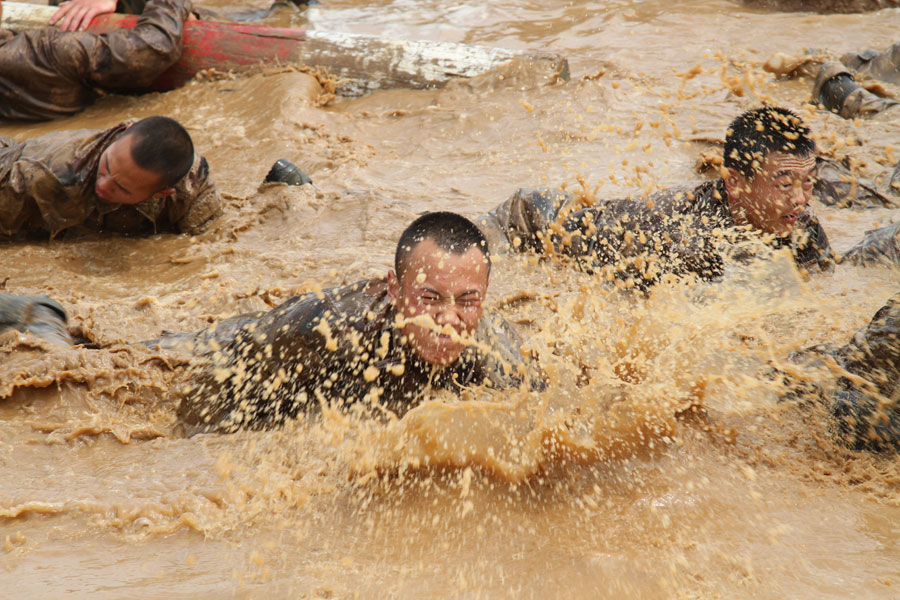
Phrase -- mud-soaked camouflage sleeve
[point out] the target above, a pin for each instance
(125, 58)
(196, 201)
(878, 247)
(522, 222)
(259, 377)
(636, 241)
(873, 354)
(837, 185)
(641, 244)
(810, 244)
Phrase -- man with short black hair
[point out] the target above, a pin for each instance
(384, 342)
(763, 196)
(162, 146)
(137, 177)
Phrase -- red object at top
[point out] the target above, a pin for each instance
(216, 45)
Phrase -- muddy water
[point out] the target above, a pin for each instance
(658, 464)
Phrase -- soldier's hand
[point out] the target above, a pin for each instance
(76, 15)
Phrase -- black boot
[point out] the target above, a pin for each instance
(40, 316)
(284, 171)
(837, 91)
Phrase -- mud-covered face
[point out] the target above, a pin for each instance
(119, 179)
(775, 197)
(446, 289)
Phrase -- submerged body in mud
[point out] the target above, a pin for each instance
(864, 401)
(678, 232)
(762, 199)
(339, 347)
(381, 344)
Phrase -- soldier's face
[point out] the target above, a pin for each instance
(119, 179)
(775, 197)
(443, 293)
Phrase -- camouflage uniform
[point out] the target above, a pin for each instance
(878, 246)
(48, 183)
(864, 404)
(836, 89)
(675, 231)
(340, 345)
(48, 74)
(40, 316)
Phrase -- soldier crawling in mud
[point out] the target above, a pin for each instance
(769, 170)
(836, 89)
(374, 341)
(382, 342)
(136, 177)
(48, 73)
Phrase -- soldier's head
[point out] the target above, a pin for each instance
(441, 273)
(770, 166)
(148, 159)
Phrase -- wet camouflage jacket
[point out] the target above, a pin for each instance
(866, 401)
(339, 346)
(47, 73)
(878, 246)
(47, 183)
(675, 231)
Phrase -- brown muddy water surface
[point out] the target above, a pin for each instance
(593, 489)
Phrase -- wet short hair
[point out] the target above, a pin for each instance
(759, 132)
(449, 231)
(163, 146)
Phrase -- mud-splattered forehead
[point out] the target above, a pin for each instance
(757, 133)
(449, 231)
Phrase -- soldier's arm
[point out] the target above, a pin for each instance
(879, 246)
(75, 15)
(813, 248)
(865, 408)
(259, 377)
(127, 58)
(521, 223)
(633, 242)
